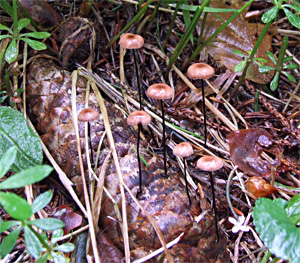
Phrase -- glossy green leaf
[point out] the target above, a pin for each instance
(239, 53)
(276, 229)
(290, 77)
(11, 53)
(39, 35)
(5, 5)
(291, 66)
(9, 242)
(294, 20)
(2, 99)
(58, 257)
(37, 45)
(293, 209)
(14, 131)
(287, 59)
(271, 57)
(16, 206)
(269, 15)
(27, 177)
(41, 201)
(261, 60)
(66, 247)
(297, 8)
(239, 67)
(274, 82)
(7, 225)
(56, 235)
(23, 22)
(48, 224)
(7, 159)
(265, 69)
(3, 27)
(42, 259)
(5, 36)
(33, 244)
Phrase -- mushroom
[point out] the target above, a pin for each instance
(132, 41)
(211, 164)
(139, 118)
(184, 149)
(87, 115)
(161, 91)
(201, 71)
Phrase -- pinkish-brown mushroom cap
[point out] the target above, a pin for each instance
(88, 114)
(137, 117)
(183, 149)
(160, 91)
(200, 71)
(210, 163)
(131, 41)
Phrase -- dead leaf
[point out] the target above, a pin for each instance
(238, 35)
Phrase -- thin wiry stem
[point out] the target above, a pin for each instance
(139, 161)
(204, 112)
(164, 135)
(186, 183)
(214, 203)
(137, 78)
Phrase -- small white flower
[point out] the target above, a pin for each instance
(238, 224)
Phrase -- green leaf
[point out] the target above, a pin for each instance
(39, 35)
(293, 209)
(271, 57)
(41, 201)
(66, 247)
(11, 53)
(239, 67)
(289, 76)
(7, 159)
(265, 69)
(291, 66)
(33, 244)
(16, 206)
(5, 5)
(5, 36)
(2, 99)
(294, 20)
(27, 177)
(274, 82)
(56, 234)
(269, 15)
(42, 259)
(9, 242)
(23, 22)
(287, 59)
(58, 258)
(261, 60)
(3, 27)
(14, 131)
(37, 45)
(239, 53)
(8, 224)
(48, 224)
(297, 8)
(276, 229)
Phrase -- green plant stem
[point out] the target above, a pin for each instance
(171, 25)
(15, 19)
(201, 47)
(153, 15)
(279, 64)
(202, 27)
(250, 59)
(43, 242)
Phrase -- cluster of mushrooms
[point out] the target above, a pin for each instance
(161, 92)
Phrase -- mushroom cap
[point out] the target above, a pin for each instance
(160, 91)
(183, 149)
(131, 41)
(210, 163)
(200, 71)
(137, 117)
(88, 114)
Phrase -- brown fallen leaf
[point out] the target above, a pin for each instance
(68, 216)
(238, 35)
